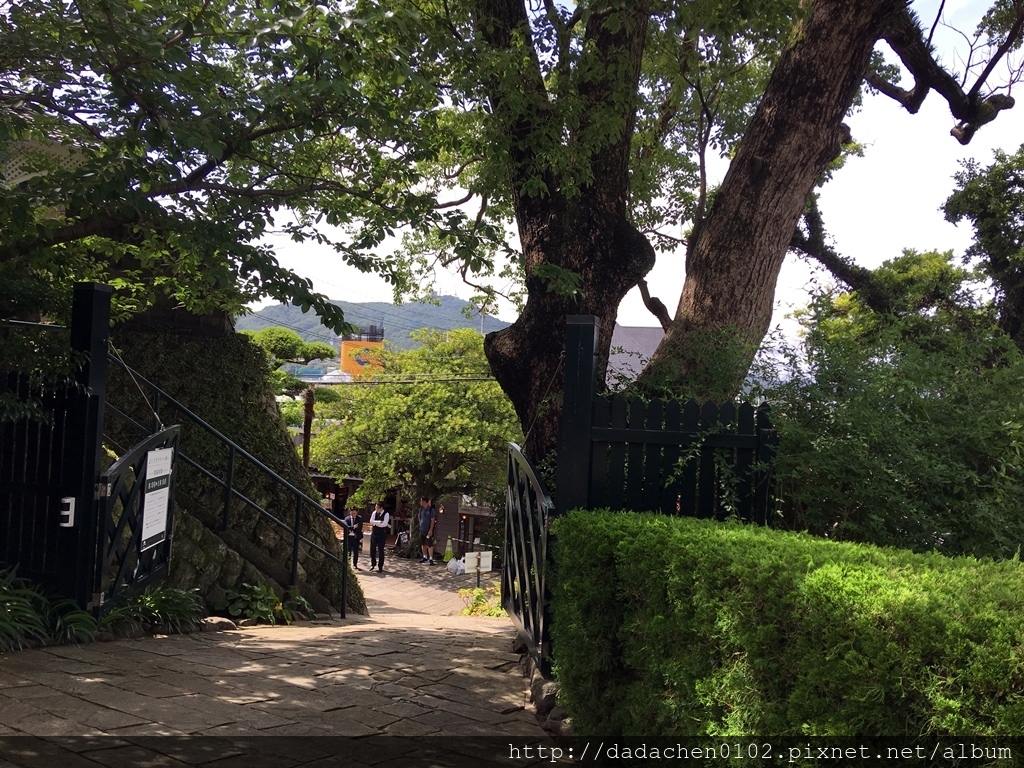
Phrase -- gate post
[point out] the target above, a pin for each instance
(90, 334)
(573, 474)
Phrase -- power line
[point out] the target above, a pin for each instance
(376, 382)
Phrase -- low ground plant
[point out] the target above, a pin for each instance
(261, 603)
(482, 601)
(30, 617)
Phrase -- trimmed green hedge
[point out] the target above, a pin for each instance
(679, 627)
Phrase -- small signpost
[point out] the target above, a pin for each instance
(157, 496)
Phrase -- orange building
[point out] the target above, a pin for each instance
(360, 352)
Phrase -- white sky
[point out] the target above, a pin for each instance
(874, 207)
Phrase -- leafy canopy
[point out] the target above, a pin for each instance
(539, 117)
(905, 429)
(283, 346)
(431, 420)
(153, 144)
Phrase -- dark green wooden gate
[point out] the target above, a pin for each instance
(692, 459)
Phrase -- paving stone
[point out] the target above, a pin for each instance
(84, 744)
(107, 720)
(405, 709)
(411, 729)
(40, 753)
(135, 756)
(46, 724)
(414, 669)
(147, 729)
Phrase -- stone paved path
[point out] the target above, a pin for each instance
(413, 683)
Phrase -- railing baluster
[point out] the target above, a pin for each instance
(295, 542)
(225, 519)
(344, 573)
(156, 411)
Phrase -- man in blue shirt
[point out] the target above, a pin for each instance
(428, 520)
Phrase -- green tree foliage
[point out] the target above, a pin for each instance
(431, 420)
(992, 199)
(904, 429)
(153, 144)
(283, 346)
(593, 125)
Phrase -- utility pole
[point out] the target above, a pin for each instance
(307, 426)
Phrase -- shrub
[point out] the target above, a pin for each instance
(903, 429)
(482, 601)
(678, 627)
(260, 602)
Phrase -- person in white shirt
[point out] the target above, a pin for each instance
(380, 523)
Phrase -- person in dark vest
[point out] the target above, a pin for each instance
(380, 523)
(354, 527)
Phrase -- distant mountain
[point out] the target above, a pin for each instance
(398, 322)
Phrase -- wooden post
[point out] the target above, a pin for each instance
(768, 441)
(572, 477)
(90, 334)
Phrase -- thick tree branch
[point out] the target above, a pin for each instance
(115, 226)
(500, 23)
(906, 39)
(856, 278)
(611, 85)
(654, 304)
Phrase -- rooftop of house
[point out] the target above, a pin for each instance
(632, 346)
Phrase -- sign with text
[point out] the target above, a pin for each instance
(156, 497)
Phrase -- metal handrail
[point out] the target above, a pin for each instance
(301, 498)
(30, 324)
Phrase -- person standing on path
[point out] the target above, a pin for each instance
(354, 525)
(428, 519)
(380, 522)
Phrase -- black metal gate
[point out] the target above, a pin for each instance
(525, 582)
(49, 466)
(137, 517)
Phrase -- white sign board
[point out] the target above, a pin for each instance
(157, 491)
(483, 558)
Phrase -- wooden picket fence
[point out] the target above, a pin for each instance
(692, 459)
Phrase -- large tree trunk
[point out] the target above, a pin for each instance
(735, 256)
(585, 231)
(526, 357)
